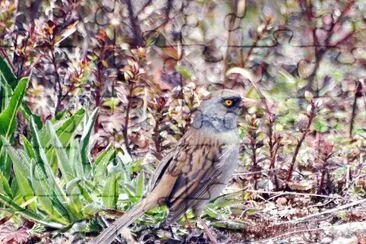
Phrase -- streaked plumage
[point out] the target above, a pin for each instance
(197, 169)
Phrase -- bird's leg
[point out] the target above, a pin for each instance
(188, 223)
(171, 231)
(167, 227)
(211, 235)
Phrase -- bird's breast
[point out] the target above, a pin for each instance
(230, 138)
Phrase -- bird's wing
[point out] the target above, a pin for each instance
(197, 167)
(186, 175)
(159, 171)
(174, 157)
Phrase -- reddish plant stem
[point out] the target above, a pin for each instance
(274, 145)
(145, 5)
(254, 160)
(156, 135)
(58, 87)
(259, 36)
(138, 39)
(20, 70)
(158, 119)
(253, 147)
(354, 109)
(311, 117)
(98, 84)
(97, 97)
(320, 50)
(271, 144)
(127, 118)
(324, 172)
(4, 54)
(322, 178)
(321, 182)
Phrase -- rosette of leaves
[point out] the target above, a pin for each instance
(51, 178)
(54, 181)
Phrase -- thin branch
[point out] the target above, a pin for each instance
(294, 193)
(147, 4)
(281, 193)
(259, 37)
(252, 131)
(354, 109)
(158, 115)
(311, 117)
(4, 54)
(338, 230)
(330, 211)
(320, 51)
(168, 9)
(58, 86)
(138, 39)
(127, 118)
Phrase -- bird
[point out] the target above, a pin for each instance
(198, 167)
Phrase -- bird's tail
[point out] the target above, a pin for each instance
(108, 234)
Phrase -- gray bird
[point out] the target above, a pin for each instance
(197, 169)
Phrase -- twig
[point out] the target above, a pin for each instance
(294, 193)
(311, 117)
(98, 84)
(169, 6)
(147, 4)
(58, 86)
(127, 117)
(259, 36)
(321, 50)
(273, 145)
(324, 173)
(354, 109)
(255, 172)
(339, 230)
(330, 211)
(4, 54)
(158, 120)
(280, 193)
(138, 40)
(252, 131)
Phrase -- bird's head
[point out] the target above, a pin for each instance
(219, 111)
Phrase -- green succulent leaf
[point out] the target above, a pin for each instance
(7, 74)
(63, 159)
(7, 117)
(86, 137)
(27, 213)
(110, 192)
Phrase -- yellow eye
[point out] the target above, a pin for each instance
(228, 102)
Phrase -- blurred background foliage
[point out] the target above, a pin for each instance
(94, 93)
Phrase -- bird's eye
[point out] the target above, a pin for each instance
(228, 102)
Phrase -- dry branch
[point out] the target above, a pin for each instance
(330, 211)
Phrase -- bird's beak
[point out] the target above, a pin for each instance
(248, 102)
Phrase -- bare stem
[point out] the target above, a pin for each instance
(127, 118)
(354, 110)
(259, 36)
(320, 50)
(138, 40)
(311, 117)
(58, 86)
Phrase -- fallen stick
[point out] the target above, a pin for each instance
(341, 230)
(306, 218)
